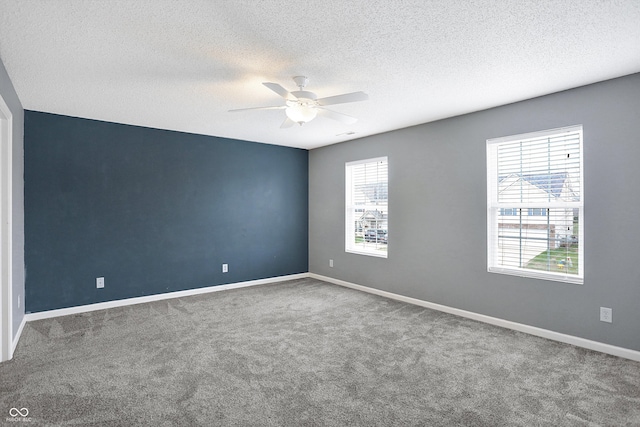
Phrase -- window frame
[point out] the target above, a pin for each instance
(494, 207)
(351, 208)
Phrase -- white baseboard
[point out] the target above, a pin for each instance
(532, 330)
(169, 295)
(17, 337)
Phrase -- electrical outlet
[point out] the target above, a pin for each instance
(99, 282)
(331, 263)
(606, 314)
(225, 268)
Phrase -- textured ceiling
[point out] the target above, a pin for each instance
(181, 65)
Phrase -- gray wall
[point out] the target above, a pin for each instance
(9, 95)
(437, 214)
(154, 211)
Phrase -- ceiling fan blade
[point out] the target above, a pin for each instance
(259, 108)
(280, 90)
(287, 123)
(344, 98)
(343, 118)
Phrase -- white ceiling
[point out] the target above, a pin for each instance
(181, 65)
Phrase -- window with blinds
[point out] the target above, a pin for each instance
(367, 207)
(535, 203)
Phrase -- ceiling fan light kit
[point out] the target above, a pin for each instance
(301, 113)
(303, 106)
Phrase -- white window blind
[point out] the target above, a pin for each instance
(535, 205)
(367, 207)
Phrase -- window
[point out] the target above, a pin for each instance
(535, 220)
(367, 212)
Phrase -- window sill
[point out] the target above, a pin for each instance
(542, 275)
(376, 254)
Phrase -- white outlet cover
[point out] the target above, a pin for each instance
(606, 315)
(99, 282)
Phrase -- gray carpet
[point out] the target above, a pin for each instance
(305, 353)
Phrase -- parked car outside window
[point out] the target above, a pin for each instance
(375, 235)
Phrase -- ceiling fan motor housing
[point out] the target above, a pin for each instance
(305, 97)
(301, 81)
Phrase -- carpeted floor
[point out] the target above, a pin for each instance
(305, 353)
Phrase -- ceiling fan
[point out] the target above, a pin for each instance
(302, 106)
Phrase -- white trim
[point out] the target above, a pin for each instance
(379, 254)
(6, 237)
(535, 134)
(534, 274)
(372, 160)
(18, 334)
(493, 205)
(531, 330)
(159, 297)
(349, 219)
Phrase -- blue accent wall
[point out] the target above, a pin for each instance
(154, 211)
